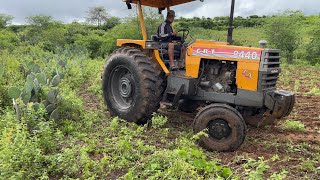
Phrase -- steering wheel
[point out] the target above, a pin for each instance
(185, 34)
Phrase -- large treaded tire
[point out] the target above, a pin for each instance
(218, 112)
(147, 89)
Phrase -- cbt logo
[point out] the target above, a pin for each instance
(247, 74)
(204, 51)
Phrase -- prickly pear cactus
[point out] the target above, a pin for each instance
(53, 99)
(26, 96)
(56, 80)
(54, 115)
(32, 92)
(29, 84)
(14, 92)
(41, 79)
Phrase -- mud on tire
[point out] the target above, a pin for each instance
(224, 125)
(132, 86)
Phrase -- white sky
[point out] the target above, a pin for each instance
(75, 10)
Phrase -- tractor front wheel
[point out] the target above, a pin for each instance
(132, 86)
(224, 126)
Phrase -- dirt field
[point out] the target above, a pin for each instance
(294, 151)
(267, 150)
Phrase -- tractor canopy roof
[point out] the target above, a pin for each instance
(160, 3)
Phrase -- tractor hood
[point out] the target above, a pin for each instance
(160, 3)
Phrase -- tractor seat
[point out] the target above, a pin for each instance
(155, 38)
(163, 48)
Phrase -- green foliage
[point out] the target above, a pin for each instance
(185, 163)
(283, 32)
(220, 23)
(292, 125)
(158, 120)
(313, 48)
(14, 92)
(259, 166)
(40, 20)
(111, 23)
(314, 91)
(5, 20)
(8, 40)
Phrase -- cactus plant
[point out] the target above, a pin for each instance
(50, 108)
(14, 92)
(29, 84)
(36, 86)
(36, 79)
(33, 67)
(41, 79)
(37, 106)
(54, 115)
(51, 97)
(56, 80)
(62, 63)
(26, 96)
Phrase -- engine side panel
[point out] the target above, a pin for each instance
(247, 58)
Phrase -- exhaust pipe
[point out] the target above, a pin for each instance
(230, 29)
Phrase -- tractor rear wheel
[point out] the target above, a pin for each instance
(224, 125)
(132, 85)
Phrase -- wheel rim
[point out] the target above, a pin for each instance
(122, 87)
(219, 129)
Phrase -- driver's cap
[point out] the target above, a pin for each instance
(171, 13)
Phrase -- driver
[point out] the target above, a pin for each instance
(166, 34)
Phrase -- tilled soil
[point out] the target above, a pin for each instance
(292, 151)
(292, 147)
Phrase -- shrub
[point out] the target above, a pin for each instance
(283, 32)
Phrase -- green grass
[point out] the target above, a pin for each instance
(293, 125)
(315, 91)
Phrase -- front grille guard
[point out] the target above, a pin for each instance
(269, 70)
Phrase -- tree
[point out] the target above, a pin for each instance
(112, 22)
(283, 33)
(313, 48)
(5, 20)
(40, 20)
(97, 15)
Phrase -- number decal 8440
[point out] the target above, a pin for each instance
(246, 55)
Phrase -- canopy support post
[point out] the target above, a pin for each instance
(142, 23)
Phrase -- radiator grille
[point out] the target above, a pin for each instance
(269, 70)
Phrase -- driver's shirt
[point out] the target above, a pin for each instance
(165, 31)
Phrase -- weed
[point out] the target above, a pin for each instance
(256, 168)
(279, 176)
(158, 121)
(314, 91)
(293, 125)
(307, 165)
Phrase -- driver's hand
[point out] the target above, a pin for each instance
(174, 33)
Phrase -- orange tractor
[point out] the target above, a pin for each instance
(233, 86)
